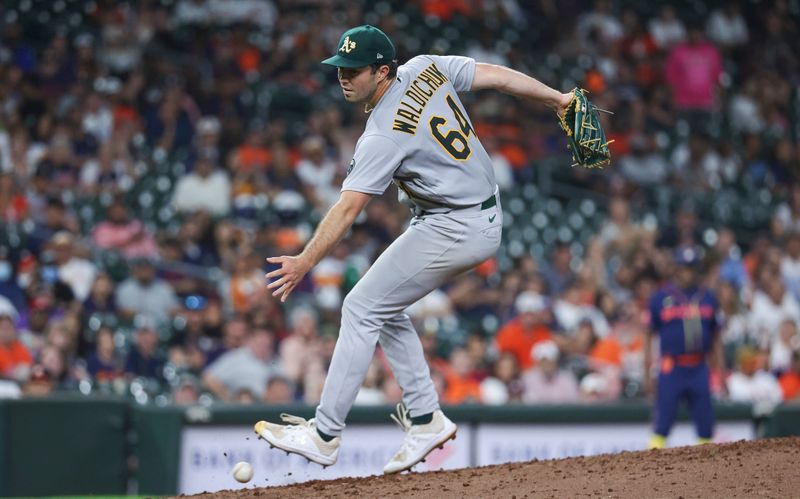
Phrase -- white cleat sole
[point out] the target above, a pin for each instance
(438, 444)
(260, 429)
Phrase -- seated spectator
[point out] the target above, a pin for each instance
(103, 364)
(645, 165)
(101, 301)
(234, 335)
(145, 294)
(191, 344)
(300, 351)
(144, 359)
(15, 360)
(370, 392)
(247, 368)
(597, 387)
(206, 188)
(187, 392)
(462, 386)
(52, 367)
(570, 310)
(750, 384)
(790, 263)
(244, 397)
(771, 306)
(245, 288)
(279, 391)
(317, 171)
(545, 383)
(726, 27)
(558, 273)
(783, 345)
(786, 217)
(667, 29)
(77, 272)
(731, 267)
(118, 232)
(521, 334)
(506, 371)
(790, 380)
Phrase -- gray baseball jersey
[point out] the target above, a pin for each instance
(420, 137)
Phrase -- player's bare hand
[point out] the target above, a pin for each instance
(288, 276)
(564, 102)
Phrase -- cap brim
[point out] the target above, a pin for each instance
(341, 62)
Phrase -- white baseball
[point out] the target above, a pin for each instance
(242, 472)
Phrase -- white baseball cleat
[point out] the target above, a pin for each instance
(420, 439)
(299, 437)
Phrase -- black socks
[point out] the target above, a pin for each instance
(424, 419)
(325, 436)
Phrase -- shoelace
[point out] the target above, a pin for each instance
(402, 418)
(295, 420)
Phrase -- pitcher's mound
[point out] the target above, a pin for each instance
(759, 468)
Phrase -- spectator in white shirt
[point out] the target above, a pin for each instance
(752, 385)
(790, 264)
(318, 171)
(784, 344)
(77, 272)
(666, 29)
(771, 306)
(726, 27)
(206, 188)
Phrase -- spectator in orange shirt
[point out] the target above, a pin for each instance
(790, 380)
(253, 154)
(519, 335)
(462, 384)
(15, 361)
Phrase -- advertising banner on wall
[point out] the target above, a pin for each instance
(208, 454)
(504, 443)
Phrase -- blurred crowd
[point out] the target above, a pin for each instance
(154, 153)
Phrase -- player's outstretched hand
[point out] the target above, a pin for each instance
(291, 272)
(564, 102)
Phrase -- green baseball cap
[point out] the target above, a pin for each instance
(362, 46)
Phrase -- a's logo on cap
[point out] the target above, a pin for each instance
(347, 45)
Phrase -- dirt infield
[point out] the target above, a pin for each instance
(762, 468)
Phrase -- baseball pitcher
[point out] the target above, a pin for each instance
(418, 136)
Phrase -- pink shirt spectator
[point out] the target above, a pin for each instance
(693, 71)
(130, 239)
(120, 232)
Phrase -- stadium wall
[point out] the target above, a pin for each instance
(69, 445)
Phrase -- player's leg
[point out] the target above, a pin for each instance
(699, 399)
(665, 409)
(403, 349)
(429, 253)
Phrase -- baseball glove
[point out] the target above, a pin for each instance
(585, 136)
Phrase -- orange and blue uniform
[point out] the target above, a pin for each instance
(685, 321)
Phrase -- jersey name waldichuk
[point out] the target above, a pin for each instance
(420, 137)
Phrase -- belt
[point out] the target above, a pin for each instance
(687, 359)
(489, 202)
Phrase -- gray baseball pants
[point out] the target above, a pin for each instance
(431, 251)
